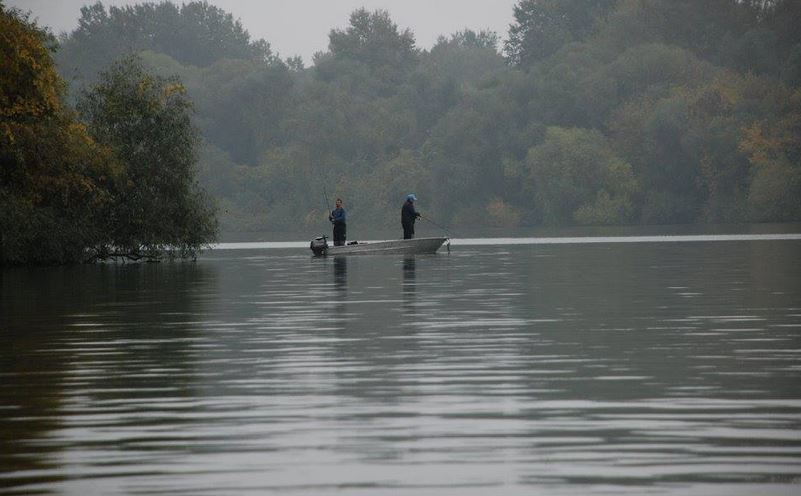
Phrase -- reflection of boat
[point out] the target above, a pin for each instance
(415, 246)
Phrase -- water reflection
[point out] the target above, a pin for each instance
(107, 343)
(340, 295)
(341, 273)
(494, 370)
(409, 285)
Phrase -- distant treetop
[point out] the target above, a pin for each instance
(195, 33)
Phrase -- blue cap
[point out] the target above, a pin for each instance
(411, 197)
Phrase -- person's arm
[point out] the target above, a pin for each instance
(338, 215)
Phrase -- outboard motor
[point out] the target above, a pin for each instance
(319, 246)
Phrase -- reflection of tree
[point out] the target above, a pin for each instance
(31, 388)
(88, 335)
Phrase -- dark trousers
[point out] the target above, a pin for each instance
(339, 233)
(408, 230)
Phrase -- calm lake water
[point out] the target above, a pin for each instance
(664, 366)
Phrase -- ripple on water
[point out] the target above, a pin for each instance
(583, 368)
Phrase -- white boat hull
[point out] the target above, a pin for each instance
(417, 246)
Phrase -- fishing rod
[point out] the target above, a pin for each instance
(437, 225)
(327, 203)
(327, 206)
(448, 232)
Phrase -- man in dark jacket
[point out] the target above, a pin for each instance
(337, 218)
(408, 216)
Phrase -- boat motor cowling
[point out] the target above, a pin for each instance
(319, 246)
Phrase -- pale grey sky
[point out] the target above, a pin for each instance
(300, 27)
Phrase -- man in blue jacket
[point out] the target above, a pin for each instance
(337, 218)
(408, 216)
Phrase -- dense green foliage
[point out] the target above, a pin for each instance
(157, 207)
(120, 186)
(194, 34)
(53, 178)
(597, 112)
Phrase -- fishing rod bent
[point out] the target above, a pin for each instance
(447, 231)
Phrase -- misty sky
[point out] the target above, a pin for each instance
(300, 27)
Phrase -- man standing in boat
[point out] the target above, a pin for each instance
(408, 216)
(337, 218)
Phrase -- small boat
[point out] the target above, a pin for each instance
(416, 246)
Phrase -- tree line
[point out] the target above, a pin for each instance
(592, 112)
(111, 178)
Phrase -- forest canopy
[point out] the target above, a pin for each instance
(115, 180)
(591, 112)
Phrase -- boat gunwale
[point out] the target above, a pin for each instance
(414, 246)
